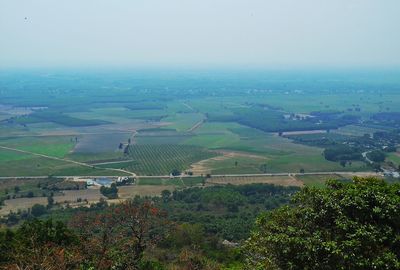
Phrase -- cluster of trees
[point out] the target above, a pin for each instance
(110, 192)
(376, 156)
(341, 152)
(116, 238)
(228, 211)
(345, 226)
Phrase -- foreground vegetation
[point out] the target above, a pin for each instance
(347, 225)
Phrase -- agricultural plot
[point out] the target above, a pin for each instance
(176, 181)
(183, 121)
(128, 192)
(355, 130)
(394, 157)
(56, 146)
(244, 180)
(68, 196)
(101, 143)
(161, 136)
(162, 159)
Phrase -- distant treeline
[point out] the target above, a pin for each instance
(275, 121)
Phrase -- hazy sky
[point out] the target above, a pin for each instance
(268, 33)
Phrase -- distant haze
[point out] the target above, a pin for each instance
(249, 33)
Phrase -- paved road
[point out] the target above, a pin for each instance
(366, 157)
(218, 175)
(196, 126)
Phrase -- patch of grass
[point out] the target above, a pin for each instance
(8, 155)
(150, 181)
(318, 180)
(183, 121)
(193, 181)
(394, 157)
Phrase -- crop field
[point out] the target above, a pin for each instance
(183, 121)
(179, 122)
(244, 180)
(176, 181)
(127, 192)
(68, 196)
(56, 146)
(162, 159)
(353, 130)
(100, 143)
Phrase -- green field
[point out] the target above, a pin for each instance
(156, 112)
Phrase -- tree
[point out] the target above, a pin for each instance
(50, 201)
(38, 244)
(302, 170)
(343, 163)
(110, 192)
(117, 237)
(345, 226)
(165, 194)
(38, 210)
(263, 168)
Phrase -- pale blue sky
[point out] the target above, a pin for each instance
(265, 33)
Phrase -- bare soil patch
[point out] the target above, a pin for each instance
(69, 196)
(202, 167)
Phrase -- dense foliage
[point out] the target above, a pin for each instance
(229, 211)
(345, 226)
(183, 229)
(110, 192)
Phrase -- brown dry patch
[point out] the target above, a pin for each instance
(21, 204)
(202, 166)
(92, 195)
(243, 180)
(69, 196)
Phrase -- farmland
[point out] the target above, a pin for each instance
(203, 123)
(163, 159)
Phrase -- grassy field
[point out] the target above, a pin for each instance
(183, 121)
(243, 180)
(90, 127)
(318, 180)
(353, 130)
(56, 146)
(180, 182)
(394, 157)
